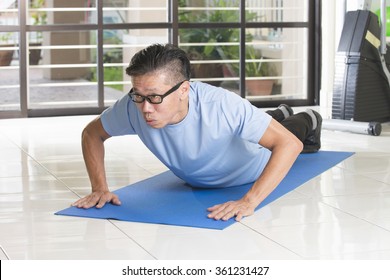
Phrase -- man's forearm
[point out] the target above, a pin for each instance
(277, 168)
(93, 153)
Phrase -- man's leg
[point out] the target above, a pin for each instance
(306, 126)
(282, 112)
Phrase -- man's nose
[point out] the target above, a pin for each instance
(147, 107)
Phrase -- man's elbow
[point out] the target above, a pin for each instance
(87, 132)
(296, 145)
(94, 131)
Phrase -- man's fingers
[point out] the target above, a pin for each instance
(101, 202)
(221, 211)
(216, 211)
(116, 201)
(84, 202)
(97, 199)
(239, 216)
(210, 209)
(229, 210)
(107, 198)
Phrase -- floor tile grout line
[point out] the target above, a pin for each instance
(50, 172)
(57, 178)
(41, 165)
(318, 255)
(341, 195)
(365, 175)
(270, 239)
(348, 215)
(347, 195)
(132, 239)
(74, 192)
(318, 199)
(4, 252)
(354, 216)
(60, 180)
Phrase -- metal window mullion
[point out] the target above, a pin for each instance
(9, 28)
(242, 47)
(316, 62)
(100, 66)
(174, 21)
(23, 71)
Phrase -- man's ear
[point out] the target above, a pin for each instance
(185, 90)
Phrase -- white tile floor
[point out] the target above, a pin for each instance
(342, 214)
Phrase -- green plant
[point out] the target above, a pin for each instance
(215, 39)
(211, 36)
(255, 68)
(5, 38)
(110, 73)
(39, 18)
(6, 52)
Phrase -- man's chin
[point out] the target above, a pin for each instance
(154, 124)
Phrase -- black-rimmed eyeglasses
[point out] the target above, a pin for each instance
(152, 98)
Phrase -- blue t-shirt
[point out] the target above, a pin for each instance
(215, 145)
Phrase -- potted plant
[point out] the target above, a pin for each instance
(255, 69)
(36, 38)
(6, 48)
(210, 37)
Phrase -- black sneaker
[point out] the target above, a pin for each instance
(286, 110)
(312, 142)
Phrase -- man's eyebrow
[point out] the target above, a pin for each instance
(151, 91)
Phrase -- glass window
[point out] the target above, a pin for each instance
(9, 12)
(276, 10)
(126, 11)
(211, 51)
(60, 69)
(42, 12)
(9, 66)
(209, 11)
(118, 50)
(9, 71)
(277, 66)
(62, 57)
(65, 73)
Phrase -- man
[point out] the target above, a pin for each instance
(208, 136)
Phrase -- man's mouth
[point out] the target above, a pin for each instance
(149, 121)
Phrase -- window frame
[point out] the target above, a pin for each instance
(173, 26)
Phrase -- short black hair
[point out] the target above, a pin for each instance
(158, 57)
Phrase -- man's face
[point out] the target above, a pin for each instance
(173, 108)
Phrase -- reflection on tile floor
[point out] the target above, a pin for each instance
(342, 214)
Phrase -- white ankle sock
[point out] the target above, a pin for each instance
(285, 112)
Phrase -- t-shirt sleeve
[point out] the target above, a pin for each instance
(116, 119)
(248, 121)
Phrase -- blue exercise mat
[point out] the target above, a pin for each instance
(166, 199)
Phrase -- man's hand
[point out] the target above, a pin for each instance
(285, 149)
(239, 209)
(93, 138)
(98, 199)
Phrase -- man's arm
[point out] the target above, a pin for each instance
(285, 149)
(93, 138)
